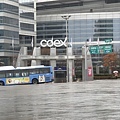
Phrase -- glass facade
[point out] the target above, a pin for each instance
(9, 8)
(89, 20)
(26, 26)
(27, 15)
(27, 3)
(9, 31)
(65, 5)
(112, 1)
(81, 27)
(27, 12)
(9, 21)
(17, 28)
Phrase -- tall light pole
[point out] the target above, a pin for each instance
(13, 51)
(86, 70)
(66, 17)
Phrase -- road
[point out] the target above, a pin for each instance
(89, 100)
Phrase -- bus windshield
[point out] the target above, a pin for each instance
(25, 75)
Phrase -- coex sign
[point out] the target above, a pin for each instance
(51, 43)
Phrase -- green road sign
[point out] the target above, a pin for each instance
(102, 49)
(94, 49)
(108, 40)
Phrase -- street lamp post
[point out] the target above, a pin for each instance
(66, 17)
(13, 51)
(86, 70)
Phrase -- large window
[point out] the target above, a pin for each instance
(47, 30)
(9, 8)
(7, 33)
(112, 1)
(45, 62)
(28, 15)
(10, 34)
(15, 0)
(61, 63)
(26, 26)
(27, 3)
(9, 21)
(60, 5)
(61, 51)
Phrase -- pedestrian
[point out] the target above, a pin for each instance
(116, 75)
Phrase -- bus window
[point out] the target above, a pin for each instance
(2, 74)
(9, 74)
(37, 71)
(44, 70)
(32, 71)
(16, 74)
(24, 73)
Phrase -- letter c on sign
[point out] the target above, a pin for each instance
(43, 44)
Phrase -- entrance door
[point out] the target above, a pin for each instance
(60, 76)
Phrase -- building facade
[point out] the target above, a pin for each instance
(27, 24)
(17, 28)
(9, 30)
(91, 20)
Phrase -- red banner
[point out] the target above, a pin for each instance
(89, 71)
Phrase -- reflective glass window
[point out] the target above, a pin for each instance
(9, 34)
(9, 21)
(9, 8)
(112, 1)
(28, 15)
(26, 26)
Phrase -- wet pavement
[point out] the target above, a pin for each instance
(90, 100)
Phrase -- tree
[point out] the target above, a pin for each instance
(110, 60)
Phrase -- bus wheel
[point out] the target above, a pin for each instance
(35, 81)
(1, 83)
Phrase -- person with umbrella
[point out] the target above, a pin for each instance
(116, 74)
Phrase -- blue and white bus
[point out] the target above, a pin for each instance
(25, 75)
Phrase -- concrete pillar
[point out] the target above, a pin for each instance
(24, 50)
(20, 62)
(24, 63)
(83, 69)
(89, 75)
(36, 52)
(110, 71)
(70, 64)
(53, 63)
(38, 62)
(53, 53)
(70, 70)
(33, 62)
(97, 69)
